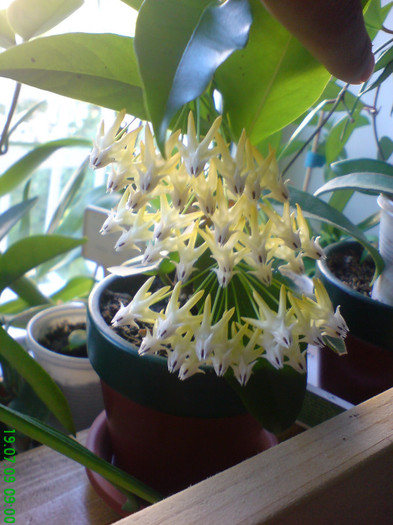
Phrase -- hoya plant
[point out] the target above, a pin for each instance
(244, 77)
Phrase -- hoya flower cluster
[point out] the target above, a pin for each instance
(207, 207)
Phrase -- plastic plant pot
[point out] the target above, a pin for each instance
(74, 375)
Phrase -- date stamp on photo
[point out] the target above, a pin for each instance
(9, 476)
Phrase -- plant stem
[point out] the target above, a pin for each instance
(314, 148)
(339, 98)
(374, 113)
(4, 134)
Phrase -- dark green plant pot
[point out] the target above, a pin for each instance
(166, 432)
(367, 369)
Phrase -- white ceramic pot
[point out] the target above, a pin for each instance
(383, 287)
(74, 375)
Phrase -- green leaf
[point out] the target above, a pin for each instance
(28, 291)
(28, 253)
(24, 167)
(315, 208)
(33, 17)
(273, 397)
(40, 381)
(382, 77)
(375, 16)
(7, 34)
(384, 60)
(10, 217)
(346, 167)
(370, 183)
(72, 449)
(386, 146)
(271, 82)
(177, 61)
(336, 344)
(96, 68)
(67, 195)
(75, 288)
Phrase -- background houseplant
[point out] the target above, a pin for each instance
(65, 362)
(163, 103)
(367, 369)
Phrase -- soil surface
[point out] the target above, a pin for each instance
(110, 304)
(353, 269)
(57, 339)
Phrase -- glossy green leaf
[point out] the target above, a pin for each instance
(33, 17)
(40, 381)
(7, 34)
(271, 82)
(375, 15)
(273, 397)
(370, 183)
(12, 216)
(315, 208)
(384, 60)
(336, 344)
(22, 170)
(28, 291)
(385, 147)
(72, 449)
(96, 68)
(346, 167)
(28, 253)
(382, 77)
(67, 195)
(177, 60)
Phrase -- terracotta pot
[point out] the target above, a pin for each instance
(166, 432)
(367, 369)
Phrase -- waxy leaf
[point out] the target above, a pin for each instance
(271, 82)
(370, 183)
(40, 381)
(69, 192)
(22, 170)
(96, 68)
(30, 252)
(72, 449)
(33, 17)
(273, 397)
(179, 45)
(346, 167)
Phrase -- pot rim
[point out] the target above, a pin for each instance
(94, 312)
(324, 269)
(40, 317)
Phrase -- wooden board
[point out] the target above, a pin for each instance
(338, 473)
(50, 489)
